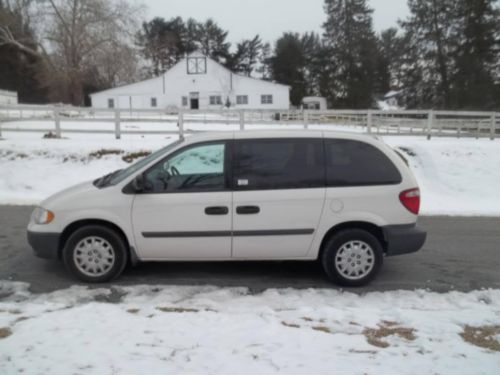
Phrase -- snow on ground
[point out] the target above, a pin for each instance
(456, 176)
(211, 330)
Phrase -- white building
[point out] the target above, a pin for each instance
(196, 82)
(8, 97)
(314, 102)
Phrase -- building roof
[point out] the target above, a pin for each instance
(183, 60)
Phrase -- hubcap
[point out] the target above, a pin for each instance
(355, 260)
(94, 256)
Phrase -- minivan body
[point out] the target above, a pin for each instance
(249, 195)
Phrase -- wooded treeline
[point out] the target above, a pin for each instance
(444, 55)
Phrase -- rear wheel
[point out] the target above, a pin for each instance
(95, 254)
(352, 257)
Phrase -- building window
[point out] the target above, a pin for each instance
(266, 99)
(153, 102)
(111, 103)
(184, 101)
(241, 99)
(215, 100)
(196, 65)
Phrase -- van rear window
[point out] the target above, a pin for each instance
(354, 163)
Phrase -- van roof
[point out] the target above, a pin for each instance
(278, 133)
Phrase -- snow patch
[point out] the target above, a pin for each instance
(205, 329)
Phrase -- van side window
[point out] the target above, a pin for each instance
(353, 163)
(262, 164)
(196, 168)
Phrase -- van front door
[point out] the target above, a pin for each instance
(185, 211)
(278, 198)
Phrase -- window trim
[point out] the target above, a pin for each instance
(242, 96)
(235, 188)
(228, 152)
(218, 100)
(262, 96)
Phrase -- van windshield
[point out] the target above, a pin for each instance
(121, 174)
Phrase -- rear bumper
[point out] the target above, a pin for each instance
(45, 245)
(403, 239)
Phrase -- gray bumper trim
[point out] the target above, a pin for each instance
(403, 239)
(45, 245)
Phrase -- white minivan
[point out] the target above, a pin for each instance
(344, 199)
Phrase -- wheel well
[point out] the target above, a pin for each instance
(70, 229)
(369, 227)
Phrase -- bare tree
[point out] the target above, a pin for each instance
(75, 37)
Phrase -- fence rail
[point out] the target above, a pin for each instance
(31, 118)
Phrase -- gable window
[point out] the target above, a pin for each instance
(111, 103)
(196, 65)
(215, 100)
(184, 101)
(242, 99)
(153, 102)
(266, 99)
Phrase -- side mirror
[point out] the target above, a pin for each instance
(138, 183)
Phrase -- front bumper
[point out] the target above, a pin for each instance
(403, 239)
(45, 245)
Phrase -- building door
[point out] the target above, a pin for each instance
(195, 103)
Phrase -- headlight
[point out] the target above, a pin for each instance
(42, 216)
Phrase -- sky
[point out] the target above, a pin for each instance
(268, 18)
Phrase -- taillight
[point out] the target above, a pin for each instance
(411, 200)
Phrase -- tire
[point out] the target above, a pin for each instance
(95, 254)
(352, 257)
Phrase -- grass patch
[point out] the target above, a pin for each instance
(291, 325)
(131, 156)
(322, 329)
(5, 332)
(177, 309)
(375, 336)
(103, 152)
(483, 336)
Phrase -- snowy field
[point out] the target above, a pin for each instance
(456, 176)
(210, 330)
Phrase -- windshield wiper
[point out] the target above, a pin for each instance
(104, 180)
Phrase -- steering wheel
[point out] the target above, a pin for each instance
(175, 171)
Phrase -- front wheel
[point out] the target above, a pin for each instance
(95, 254)
(352, 257)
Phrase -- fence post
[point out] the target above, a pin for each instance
(180, 124)
(57, 120)
(430, 122)
(369, 121)
(242, 120)
(492, 127)
(117, 124)
(306, 119)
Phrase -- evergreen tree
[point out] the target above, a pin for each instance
(352, 43)
(211, 41)
(164, 43)
(287, 65)
(431, 34)
(478, 55)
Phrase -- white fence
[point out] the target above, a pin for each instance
(21, 118)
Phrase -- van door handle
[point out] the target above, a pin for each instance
(247, 210)
(217, 210)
